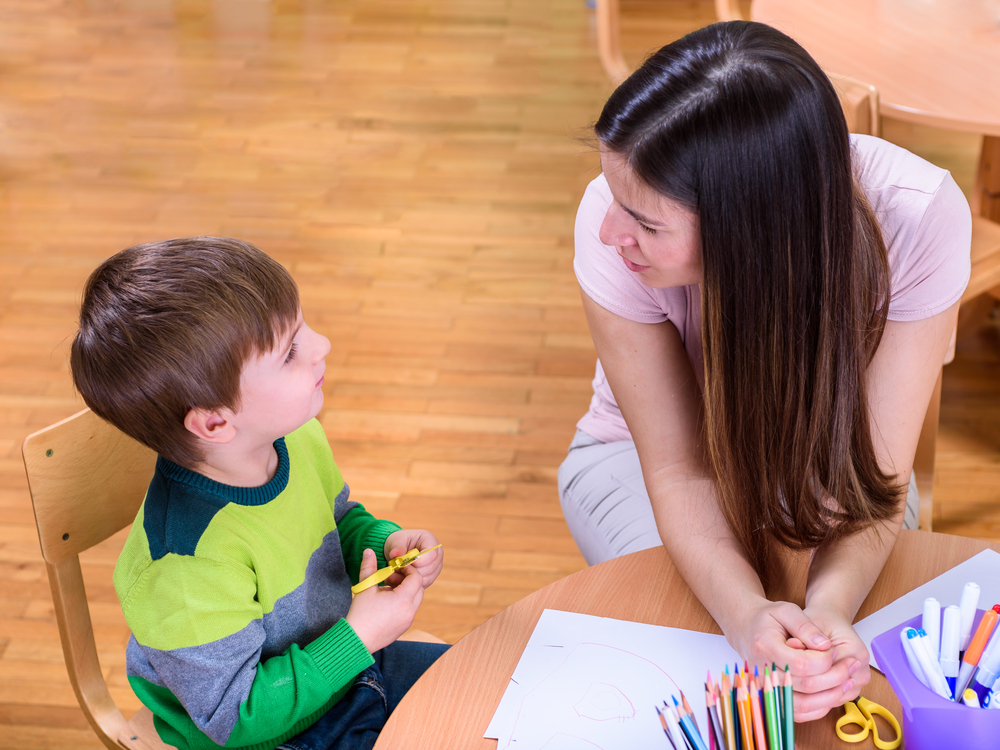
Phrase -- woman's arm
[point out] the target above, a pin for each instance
(901, 379)
(655, 387)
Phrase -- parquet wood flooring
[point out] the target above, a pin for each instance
(417, 165)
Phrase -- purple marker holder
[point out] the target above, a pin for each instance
(929, 721)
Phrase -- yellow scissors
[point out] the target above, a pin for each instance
(862, 713)
(394, 564)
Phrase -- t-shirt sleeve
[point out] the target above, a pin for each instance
(600, 271)
(925, 222)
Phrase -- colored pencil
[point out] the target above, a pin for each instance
(714, 725)
(772, 721)
(726, 691)
(687, 707)
(789, 712)
(746, 723)
(663, 723)
(757, 715)
(687, 724)
(676, 733)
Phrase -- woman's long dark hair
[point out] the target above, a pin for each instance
(738, 123)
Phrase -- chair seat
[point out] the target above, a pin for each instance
(142, 734)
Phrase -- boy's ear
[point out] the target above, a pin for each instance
(210, 426)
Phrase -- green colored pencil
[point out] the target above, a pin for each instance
(789, 713)
(773, 738)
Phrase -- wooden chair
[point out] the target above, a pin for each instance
(609, 46)
(87, 480)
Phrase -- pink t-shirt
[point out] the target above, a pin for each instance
(925, 222)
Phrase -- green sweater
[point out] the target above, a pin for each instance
(236, 598)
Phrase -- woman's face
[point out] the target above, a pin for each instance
(657, 238)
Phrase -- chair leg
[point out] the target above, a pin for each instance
(923, 460)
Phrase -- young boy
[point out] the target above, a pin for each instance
(236, 576)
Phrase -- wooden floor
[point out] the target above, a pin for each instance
(417, 165)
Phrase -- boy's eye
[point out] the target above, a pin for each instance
(647, 229)
(291, 354)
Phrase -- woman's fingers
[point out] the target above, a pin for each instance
(798, 626)
(811, 706)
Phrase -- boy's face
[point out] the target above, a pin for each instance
(283, 389)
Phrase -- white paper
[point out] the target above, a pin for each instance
(983, 569)
(585, 682)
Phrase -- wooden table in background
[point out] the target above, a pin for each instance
(451, 705)
(934, 62)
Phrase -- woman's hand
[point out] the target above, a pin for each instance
(400, 542)
(815, 696)
(781, 633)
(827, 671)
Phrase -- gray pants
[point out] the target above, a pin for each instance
(606, 505)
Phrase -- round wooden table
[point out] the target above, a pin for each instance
(934, 62)
(451, 705)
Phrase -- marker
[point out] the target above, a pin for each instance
(967, 606)
(911, 657)
(950, 636)
(931, 622)
(969, 698)
(989, 667)
(935, 682)
(935, 664)
(972, 655)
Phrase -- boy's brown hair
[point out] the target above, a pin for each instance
(168, 326)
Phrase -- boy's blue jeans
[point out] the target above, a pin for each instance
(357, 718)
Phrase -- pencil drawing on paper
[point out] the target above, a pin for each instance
(589, 698)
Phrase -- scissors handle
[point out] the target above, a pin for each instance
(853, 716)
(873, 709)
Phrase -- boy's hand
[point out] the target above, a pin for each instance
(402, 541)
(380, 614)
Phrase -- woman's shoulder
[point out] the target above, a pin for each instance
(885, 169)
(925, 222)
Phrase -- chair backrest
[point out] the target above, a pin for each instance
(859, 101)
(87, 481)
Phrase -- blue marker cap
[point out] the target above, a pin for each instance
(911, 633)
(921, 632)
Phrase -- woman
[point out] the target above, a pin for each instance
(771, 300)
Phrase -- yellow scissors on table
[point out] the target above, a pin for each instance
(862, 712)
(394, 564)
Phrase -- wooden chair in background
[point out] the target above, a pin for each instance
(609, 46)
(87, 481)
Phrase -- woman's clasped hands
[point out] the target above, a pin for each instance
(827, 659)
